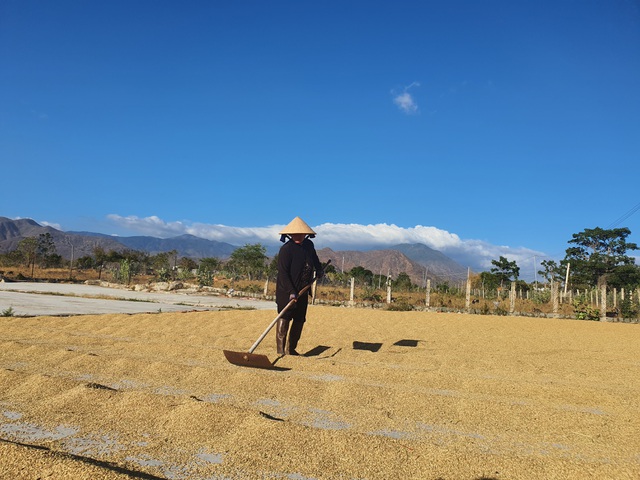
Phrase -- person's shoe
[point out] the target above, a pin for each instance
(293, 352)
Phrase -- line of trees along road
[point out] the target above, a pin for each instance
(595, 259)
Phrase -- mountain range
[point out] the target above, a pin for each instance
(416, 260)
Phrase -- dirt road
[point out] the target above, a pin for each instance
(31, 298)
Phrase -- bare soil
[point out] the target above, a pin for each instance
(378, 395)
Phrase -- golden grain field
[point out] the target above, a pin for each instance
(379, 395)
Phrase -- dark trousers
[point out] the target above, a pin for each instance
(295, 317)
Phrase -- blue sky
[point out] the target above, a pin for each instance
(480, 128)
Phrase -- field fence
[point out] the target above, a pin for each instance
(602, 304)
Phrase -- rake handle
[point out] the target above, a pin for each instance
(275, 320)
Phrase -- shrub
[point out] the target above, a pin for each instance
(584, 311)
(205, 278)
(500, 311)
(253, 289)
(399, 307)
(540, 297)
(371, 294)
(164, 274)
(628, 308)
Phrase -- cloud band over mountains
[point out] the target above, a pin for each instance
(476, 254)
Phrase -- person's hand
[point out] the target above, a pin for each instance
(293, 296)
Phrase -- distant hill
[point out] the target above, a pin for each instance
(436, 262)
(416, 260)
(393, 261)
(12, 231)
(186, 245)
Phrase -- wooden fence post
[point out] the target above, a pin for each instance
(389, 289)
(314, 287)
(603, 302)
(512, 298)
(427, 299)
(554, 297)
(468, 297)
(353, 280)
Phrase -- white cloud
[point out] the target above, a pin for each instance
(404, 100)
(476, 254)
(50, 224)
(155, 227)
(57, 226)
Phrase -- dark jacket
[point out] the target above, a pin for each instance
(296, 265)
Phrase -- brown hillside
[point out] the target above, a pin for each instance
(380, 262)
(12, 231)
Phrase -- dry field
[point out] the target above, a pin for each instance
(418, 396)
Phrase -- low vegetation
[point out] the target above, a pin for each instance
(596, 261)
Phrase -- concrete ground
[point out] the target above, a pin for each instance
(36, 299)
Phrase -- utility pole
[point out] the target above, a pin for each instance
(566, 282)
(71, 263)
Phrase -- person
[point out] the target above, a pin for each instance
(297, 261)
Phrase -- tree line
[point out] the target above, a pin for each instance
(595, 257)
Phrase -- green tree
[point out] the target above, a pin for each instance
(28, 248)
(361, 275)
(596, 253)
(403, 282)
(206, 268)
(47, 251)
(100, 258)
(210, 264)
(186, 266)
(551, 271)
(125, 271)
(160, 261)
(11, 259)
(187, 263)
(249, 261)
(127, 264)
(114, 256)
(85, 262)
(625, 276)
(488, 282)
(272, 267)
(505, 270)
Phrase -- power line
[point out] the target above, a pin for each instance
(625, 216)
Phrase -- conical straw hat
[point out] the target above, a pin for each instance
(297, 225)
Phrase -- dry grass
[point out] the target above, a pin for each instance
(445, 396)
(327, 294)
